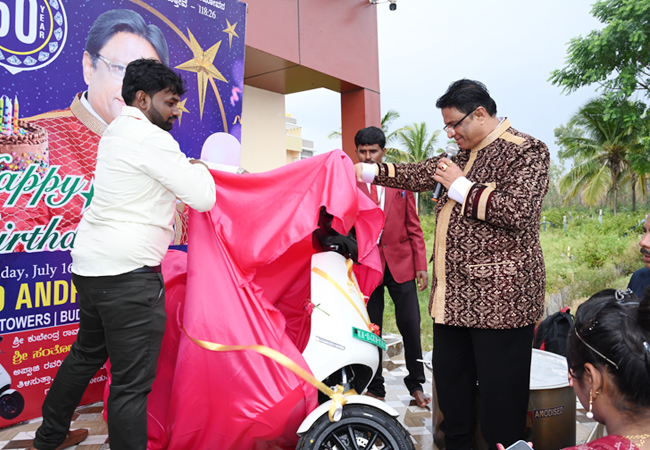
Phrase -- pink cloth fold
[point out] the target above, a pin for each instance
(246, 280)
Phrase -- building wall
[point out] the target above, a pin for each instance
(298, 45)
(333, 38)
(292, 156)
(263, 130)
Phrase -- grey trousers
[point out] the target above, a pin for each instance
(121, 317)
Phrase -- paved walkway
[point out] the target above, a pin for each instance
(417, 420)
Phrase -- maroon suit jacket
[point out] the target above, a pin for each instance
(401, 245)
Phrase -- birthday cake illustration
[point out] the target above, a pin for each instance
(24, 141)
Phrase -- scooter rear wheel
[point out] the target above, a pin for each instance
(360, 427)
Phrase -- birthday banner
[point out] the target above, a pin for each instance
(61, 69)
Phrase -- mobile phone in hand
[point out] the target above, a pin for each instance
(519, 445)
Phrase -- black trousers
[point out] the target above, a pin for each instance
(500, 361)
(407, 316)
(121, 317)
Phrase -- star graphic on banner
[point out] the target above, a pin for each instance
(182, 109)
(88, 195)
(203, 66)
(231, 32)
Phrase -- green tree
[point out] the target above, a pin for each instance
(616, 57)
(392, 154)
(639, 159)
(553, 198)
(418, 145)
(600, 148)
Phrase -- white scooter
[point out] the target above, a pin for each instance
(11, 401)
(342, 351)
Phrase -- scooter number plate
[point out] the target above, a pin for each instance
(367, 336)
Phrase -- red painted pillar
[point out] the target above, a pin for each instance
(359, 109)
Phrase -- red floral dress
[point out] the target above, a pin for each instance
(607, 443)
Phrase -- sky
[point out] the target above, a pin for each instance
(510, 45)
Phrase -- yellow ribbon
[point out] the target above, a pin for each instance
(336, 394)
(352, 282)
(365, 318)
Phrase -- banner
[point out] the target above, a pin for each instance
(61, 69)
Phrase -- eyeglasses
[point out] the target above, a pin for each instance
(117, 70)
(453, 127)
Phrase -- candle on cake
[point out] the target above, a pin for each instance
(15, 124)
(7, 117)
(25, 142)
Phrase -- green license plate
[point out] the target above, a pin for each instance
(367, 336)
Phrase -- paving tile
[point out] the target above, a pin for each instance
(24, 435)
(418, 421)
(18, 443)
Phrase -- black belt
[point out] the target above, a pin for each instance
(147, 269)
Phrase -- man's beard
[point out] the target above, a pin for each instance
(644, 251)
(157, 119)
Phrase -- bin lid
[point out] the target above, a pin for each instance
(548, 371)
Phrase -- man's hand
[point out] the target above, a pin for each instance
(358, 171)
(447, 172)
(198, 161)
(422, 278)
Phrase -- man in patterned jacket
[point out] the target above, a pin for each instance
(488, 276)
(116, 38)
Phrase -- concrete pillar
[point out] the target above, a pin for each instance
(359, 109)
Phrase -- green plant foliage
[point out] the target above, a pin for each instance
(590, 256)
(600, 150)
(615, 57)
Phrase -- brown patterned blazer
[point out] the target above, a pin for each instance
(488, 269)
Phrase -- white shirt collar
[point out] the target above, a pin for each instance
(86, 103)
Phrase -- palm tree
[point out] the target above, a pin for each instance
(392, 154)
(600, 151)
(418, 144)
(640, 162)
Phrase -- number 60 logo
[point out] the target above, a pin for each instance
(32, 33)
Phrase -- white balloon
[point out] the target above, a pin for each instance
(222, 148)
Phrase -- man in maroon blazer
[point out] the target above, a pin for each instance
(403, 254)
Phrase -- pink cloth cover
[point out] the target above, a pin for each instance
(245, 280)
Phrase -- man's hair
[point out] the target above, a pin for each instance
(467, 95)
(370, 136)
(151, 77)
(115, 21)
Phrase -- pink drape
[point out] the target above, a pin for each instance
(245, 280)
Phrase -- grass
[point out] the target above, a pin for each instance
(588, 258)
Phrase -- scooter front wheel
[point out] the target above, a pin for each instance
(360, 427)
(11, 405)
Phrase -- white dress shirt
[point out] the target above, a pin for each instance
(140, 172)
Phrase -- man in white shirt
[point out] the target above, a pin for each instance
(115, 38)
(120, 243)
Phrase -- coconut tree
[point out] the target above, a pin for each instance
(417, 144)
(392, 154)
(600, 151)
(640, 162)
